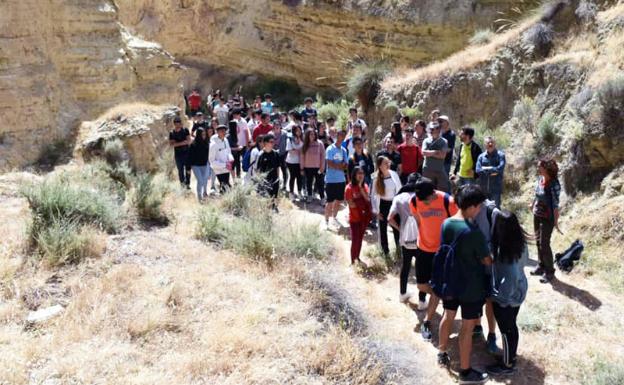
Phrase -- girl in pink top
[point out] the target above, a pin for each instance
(313, 164)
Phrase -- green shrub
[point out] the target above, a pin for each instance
(338, 110)
(604, 372)
(482, 36)
(210, 227)
(500, 135)
(253, 237)
(301, 240)
(114, 152)
(414, 113)
(611, 99)
(146, 198)
(525, 114)
(238, 200)
(64, 241)
(547, 130)
(61, 198)
(364, 83)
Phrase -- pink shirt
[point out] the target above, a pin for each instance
(314, 157)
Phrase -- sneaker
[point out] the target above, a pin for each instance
(308, 199)
(472, 376)
(444, 360)
(477, 331)
(404, 298)
(422, 305)
(338, 223)
(546, 278)
(292, 197)
(323, 202)
(501, 369)
(491, 344)
(537, 271)
(425, 331)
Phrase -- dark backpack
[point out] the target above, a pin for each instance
(447, 279)
(246, 160)
(565, 261)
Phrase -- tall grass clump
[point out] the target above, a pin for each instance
(146, 199)
(65, 241)
(301, 240)
(525, 114)
(539, 39)
(364, 83)
(611, 99)
(482, 130)
(339, 110)
(59, 198)
(547, 130)
(482, 36)
(253, 237)
(239, 199)
(210, 225)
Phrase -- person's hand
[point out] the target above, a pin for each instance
(494, 174)
(302, 172)
(453, 177)
(380, 217)
(320, 172)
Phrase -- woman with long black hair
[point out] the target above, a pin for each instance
(509, 284)
(385, 187)
(293, 160)
(198, 159)
(360, 214)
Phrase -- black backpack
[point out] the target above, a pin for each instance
(446, 277)
(565, 261)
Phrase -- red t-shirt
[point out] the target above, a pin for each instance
(261, 129)
(356, 214)
(194, 100)
(410, 157)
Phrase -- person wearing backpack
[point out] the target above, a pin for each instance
(509, 285)
(408, 230)
(430, 207)
(459, 279)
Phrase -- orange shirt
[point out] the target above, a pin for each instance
(430, 219)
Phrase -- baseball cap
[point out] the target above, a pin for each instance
(444, 117)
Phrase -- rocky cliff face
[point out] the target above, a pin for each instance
(64, 61)
(311, 41)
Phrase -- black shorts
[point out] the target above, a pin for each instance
(335, 191)
(424, 266)
(469, 310)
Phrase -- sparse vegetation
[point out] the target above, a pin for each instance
(611, 98)
(547, 130)
(604, 371)
(586, 11)
(364, 82)
(238, 201)
(482, 130)
(525, 114)
(534, 318)
(65, 241)
(482, 36)
(210, 227)
(539, 39)
(146, 198)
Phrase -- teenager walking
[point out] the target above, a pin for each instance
(386, 186)
(509, 285)
(294, 144)
(358, 199)
(336, 163)
(179, 139)
(545, 208)
(220, 158)
(268, 164)
(312, 163)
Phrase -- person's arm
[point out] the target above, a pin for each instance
(321, 155)
(349, 198)
(458, 161)
(480, 169)
(501, 164)
(392, 222)
(487, 261)
(364, 192)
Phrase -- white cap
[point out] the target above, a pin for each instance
(444, 117)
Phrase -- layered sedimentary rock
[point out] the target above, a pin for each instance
(64, 61)
(310, 41)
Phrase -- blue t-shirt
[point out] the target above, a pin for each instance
(267, 107)
(337, 155)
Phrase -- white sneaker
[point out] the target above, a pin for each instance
(422, 305)
(404, 298)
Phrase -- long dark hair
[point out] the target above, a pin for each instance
(199, 141)
(395, 133)
(292, 131)
(307, 141)
(354, 173)
(509, 238)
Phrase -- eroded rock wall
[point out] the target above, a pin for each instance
(64, 61)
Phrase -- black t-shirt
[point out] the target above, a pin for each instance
(203, 125)
(268, 163)
(180, 136)
(394, 157)
(325, 139)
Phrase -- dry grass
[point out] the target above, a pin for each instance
(461, 61)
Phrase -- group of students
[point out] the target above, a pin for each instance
(406, 186)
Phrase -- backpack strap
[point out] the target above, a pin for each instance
(447, 202)
(459, 236)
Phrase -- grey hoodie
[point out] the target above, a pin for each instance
(509, 284)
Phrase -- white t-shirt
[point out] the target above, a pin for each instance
(242, 132)
(400, 206)
(222, 113)
(293, 150)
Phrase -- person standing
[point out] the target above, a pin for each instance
(430, 207)
(281, 141)
(360, 158)
(263, 128)
(355, 120)
(490, 170)
(198, 122)
(336, 159)
(471, 255)
(509, 241)
(466, 166)
(396, 131)
(313, 165)
(390, 152)
(357, 196)
(179, 139)
(356, 132)
(222, 112)
(268, 164)
(232, 138)
(545, 208)
(386, 186)
(293, 161)
(267, 105)
(308, 110)
(420, 133)
(194, 102)
(243, 136)
(411, 155)
(435, 150)
(450, 137)
(198, 159)
(220, 158)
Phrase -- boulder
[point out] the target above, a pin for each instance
(142, 128)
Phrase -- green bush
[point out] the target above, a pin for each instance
(482, 36)
(238, 200)
(364, 83)
(61, 198)
(547, 130)
(611, 99)
(210, 227)
(338, 110)
(64, 241)
(525, 114)
(253, 237)
(146, 198)
(114, 152)
(301, 240)
(502, 136)
(414, 113)
(604, 372)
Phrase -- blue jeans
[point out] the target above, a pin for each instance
(201, 174)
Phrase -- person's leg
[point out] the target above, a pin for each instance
(545, 235)
(309, 176)
(489, 314)
(293, 173)
(446, 325)
(465, 342)
(397, 234)
(496, 197)
(187, 174)
(384, 209)
(199, 179)
(336, 208)
(356, 241)
(180, 165)
(224, 182)
(299, 180)
(405, 269)
(320, 185)
(424, 266)
(506, 318)
(331, 201)
(284, 170)
(537, 229)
